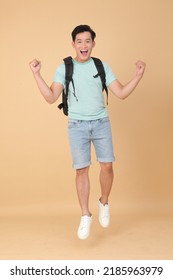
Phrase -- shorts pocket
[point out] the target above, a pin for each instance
(73, 123)
(104, 120)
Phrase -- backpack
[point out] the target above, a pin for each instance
(68, 78)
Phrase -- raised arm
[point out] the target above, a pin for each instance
(123, 91)
(51, 93)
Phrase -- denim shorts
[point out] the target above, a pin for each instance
(82, 134)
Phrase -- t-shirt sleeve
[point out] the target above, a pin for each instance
(110, 76)
(59, 76)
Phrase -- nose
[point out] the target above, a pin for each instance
(84, 44)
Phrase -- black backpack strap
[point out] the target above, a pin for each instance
(101, 73)
(68, 75)
(68, 78)
(68, 72)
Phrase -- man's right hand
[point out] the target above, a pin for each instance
(35, 66)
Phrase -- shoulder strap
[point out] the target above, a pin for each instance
(68, 72)
(68, 75)
(101, 73)
(68, 78)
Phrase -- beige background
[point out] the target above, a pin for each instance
(39, 211)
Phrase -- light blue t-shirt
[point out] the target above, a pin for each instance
(89, 102)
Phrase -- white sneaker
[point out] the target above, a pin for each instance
(104, 215)
(84, 227)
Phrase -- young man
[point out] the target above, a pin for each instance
(88, 119)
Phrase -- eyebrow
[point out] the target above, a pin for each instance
(89, 39)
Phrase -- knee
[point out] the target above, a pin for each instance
(107, 167)
(82, 171)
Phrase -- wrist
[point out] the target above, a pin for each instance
(138, 77)
(37, 74)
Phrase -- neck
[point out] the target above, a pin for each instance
(82, 60)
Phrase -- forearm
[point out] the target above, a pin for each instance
(44, 88)
(128, 88)
(123, 91)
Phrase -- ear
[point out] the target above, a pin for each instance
(72, 44)
(94, 43)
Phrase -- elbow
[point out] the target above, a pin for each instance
(123, 97)
(50, 101)
(120, 94)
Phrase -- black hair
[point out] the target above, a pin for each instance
(82, 28)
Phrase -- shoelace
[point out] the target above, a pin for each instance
(84, 222)
(106, 211)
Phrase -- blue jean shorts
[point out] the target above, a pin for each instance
(82, 134)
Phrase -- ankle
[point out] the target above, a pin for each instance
(103, 201)
(86, 213)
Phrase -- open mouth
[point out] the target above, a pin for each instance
(84, 52)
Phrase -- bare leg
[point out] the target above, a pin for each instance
(83, 189)
(106, 180)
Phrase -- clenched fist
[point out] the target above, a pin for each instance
(140, 68)
(35, 65)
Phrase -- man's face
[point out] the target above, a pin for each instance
(83, 46)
